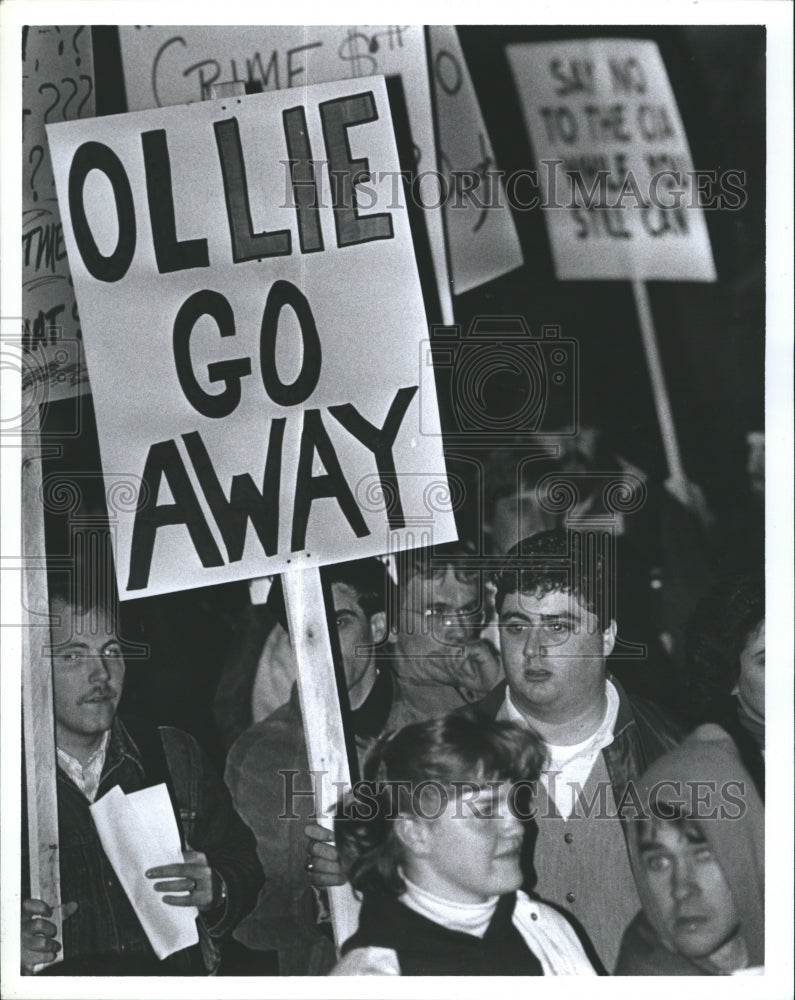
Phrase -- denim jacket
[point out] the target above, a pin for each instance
(105, 935)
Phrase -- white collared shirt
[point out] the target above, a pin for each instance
(569, 766)
(86, 777)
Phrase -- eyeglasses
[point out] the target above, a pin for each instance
(547, 633)
(440, 619)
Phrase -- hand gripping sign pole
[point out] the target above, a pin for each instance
(262, 474)
(317, 691)
(37, 699)
(320, 707)
(677, 482)
(612, 152)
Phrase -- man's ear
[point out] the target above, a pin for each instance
(378, 627)
(413, 833)
(609, 638)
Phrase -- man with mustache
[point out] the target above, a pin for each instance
(96, 751)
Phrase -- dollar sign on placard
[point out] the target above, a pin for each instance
(349, 52)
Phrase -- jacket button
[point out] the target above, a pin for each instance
(569, 897)
(569, 838)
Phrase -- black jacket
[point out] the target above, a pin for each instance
(104, 936)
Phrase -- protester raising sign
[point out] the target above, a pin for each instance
(253, 323)
(620, 195)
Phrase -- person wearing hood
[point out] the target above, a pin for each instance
(697, 849)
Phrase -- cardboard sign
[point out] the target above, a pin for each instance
(479, 225)
(253, 326)
(173, 65)
(57, 86)
(614, 167)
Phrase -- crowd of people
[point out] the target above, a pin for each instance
(516, 808)
(554, 726)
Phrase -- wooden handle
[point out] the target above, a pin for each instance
(37, 704)
(320, 709)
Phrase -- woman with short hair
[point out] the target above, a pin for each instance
(432, 842)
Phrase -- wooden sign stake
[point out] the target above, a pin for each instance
(677, 482)
(320, 710)
(37, 699)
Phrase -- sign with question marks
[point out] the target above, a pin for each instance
(57, 86)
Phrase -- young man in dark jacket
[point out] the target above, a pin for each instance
(556, 631)
(96, 751)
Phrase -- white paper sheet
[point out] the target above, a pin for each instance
(139, 832)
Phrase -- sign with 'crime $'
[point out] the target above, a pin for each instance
(253, 326)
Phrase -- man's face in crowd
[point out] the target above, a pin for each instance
(752, 672)
(88, 671)
(439, 616)
(553, 652)
(692, 896)
(355, 630)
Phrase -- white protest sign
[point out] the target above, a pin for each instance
(57, 86)
(174, 65)
(254, 334)
(480, 229)
(614, 166)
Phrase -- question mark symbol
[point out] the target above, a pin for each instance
(68, 79)
(89, 92)
(74, 44)
(50, 86)
(40, 151)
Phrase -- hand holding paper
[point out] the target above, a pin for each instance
(139, 831)
(194, 877)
